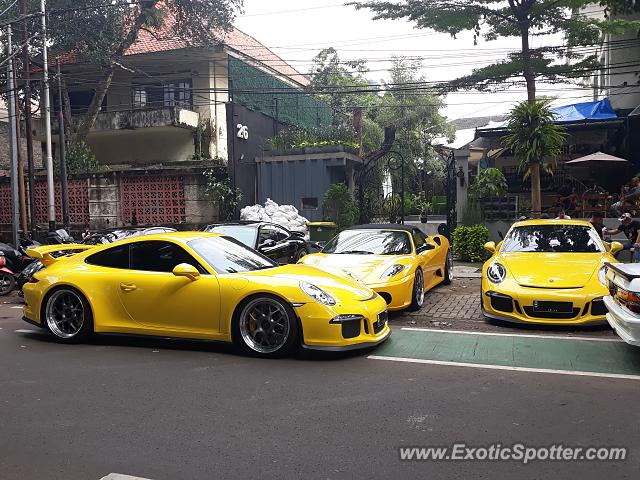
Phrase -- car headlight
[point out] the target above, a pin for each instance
(496, 272)
(602, 275)
(317, 293)
(392, 271)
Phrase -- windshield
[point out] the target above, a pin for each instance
(245, 234)
(553, 238)
(378, 242)
(228, 255)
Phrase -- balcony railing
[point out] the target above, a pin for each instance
(137, 119)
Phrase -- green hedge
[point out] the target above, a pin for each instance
(468, 242)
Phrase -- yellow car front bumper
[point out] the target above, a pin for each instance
(576, 306)
(329, 328)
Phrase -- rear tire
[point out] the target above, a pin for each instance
(67, 315)
(448, 269)
(417, 295)
(265, 326)
(7, 283)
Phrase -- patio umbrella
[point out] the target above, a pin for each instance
(597, 157)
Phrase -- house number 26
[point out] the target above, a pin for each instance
(243, 131)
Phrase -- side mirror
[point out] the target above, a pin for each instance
(186, 270)
(616, 247)
(490, 247)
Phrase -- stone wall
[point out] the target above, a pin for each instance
(104, 203)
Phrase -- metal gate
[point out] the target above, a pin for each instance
(152, 200)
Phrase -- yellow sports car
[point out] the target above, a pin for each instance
(201, 286)
(399, 262)
(547, 271)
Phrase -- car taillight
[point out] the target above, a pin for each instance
(3, 261)
(631, 300)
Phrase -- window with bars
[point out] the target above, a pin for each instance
(176, 93)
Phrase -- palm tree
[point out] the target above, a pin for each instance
(534, 139)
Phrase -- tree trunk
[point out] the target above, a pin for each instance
(536, 200)
(530, 79)
(86, 124)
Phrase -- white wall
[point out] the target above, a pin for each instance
(148, 145)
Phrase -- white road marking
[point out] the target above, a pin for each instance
(505, 367)
(25, 330)
(523, 335)
(17, 306)
(119, 476)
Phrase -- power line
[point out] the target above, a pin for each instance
(8, 8)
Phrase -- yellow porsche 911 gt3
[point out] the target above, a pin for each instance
(201, 286)
(399, 262)
(549, 272)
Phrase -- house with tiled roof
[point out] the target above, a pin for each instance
(171, 109)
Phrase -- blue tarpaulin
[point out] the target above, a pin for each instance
(600, 110)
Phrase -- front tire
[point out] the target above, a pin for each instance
(417, 296)
(265, 326)
(67, 315)
(448, 269)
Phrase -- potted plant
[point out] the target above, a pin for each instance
(423, 206)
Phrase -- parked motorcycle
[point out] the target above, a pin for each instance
(12, 262)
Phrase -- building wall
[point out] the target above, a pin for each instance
(148, 145)
(287, 179)
(105, 196)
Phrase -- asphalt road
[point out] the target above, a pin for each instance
(180, 410)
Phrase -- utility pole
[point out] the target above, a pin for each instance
(51, 199)
(27, 119)
(13, 144)
(21, 186)
(64, 187)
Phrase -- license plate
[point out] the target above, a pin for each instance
(552, 307)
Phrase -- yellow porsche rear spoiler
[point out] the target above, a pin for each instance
(46, 253)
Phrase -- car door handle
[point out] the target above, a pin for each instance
(128, 287)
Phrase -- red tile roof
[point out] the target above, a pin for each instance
(164, 40)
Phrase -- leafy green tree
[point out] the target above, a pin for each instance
(100, 32)
(338, 206)
(534, 138)
(417, 118)
(489, 183)
(493, 19)
(337, 83)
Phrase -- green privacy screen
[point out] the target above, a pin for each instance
(264, 93)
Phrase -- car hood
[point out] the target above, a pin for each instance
(336, 282)
(368, 268)
(552, 270)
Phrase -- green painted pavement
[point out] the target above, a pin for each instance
(609, 357)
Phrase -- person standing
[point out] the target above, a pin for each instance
(631, 229)
(598, 223)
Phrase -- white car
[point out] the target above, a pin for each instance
(623, 301)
